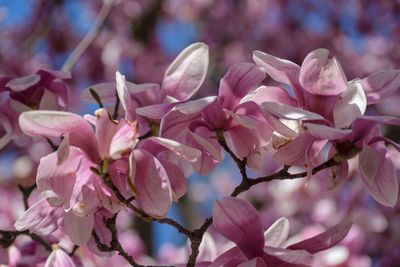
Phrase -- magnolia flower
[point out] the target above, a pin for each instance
(149, 102)
(43, 90)
(201, 122)
(240, 222)
(328, 114)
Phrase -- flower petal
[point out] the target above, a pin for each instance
(177, 179)
(351, 105)
(380, 85)
(379, 174)
(326, 132)
(156, 145)
(79, 229)
(54, 124)
(289, 112)
(269, 94)
(277, 233)
(175, 122)
(237, 82)
(324, 240)
(281, 70)
(321, 74)
(295, 257)
(152, 183)
(58, 258)
(125, 97)
(40, 218)
(22, 83)
(187, 72)
(56, 182)
(240, 222)
(242, 141)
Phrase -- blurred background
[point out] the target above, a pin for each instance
(141, 37)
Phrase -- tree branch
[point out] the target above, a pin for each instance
(90, 36)
(114, 245)
(8, 237)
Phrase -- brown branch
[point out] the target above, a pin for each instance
(26, 193)
(74, 249)
(8, 237)
(90, 36)
(114, 245)
(180, 228)
(240, 163)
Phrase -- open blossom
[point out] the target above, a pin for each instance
(241, 223)
(149, 102)
(202, 122)
(326, 118)
(45, 90)
(71, 178)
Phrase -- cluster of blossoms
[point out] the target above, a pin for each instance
(138, 149)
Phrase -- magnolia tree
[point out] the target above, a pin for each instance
(132, 158)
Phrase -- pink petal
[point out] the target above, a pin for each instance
(48, 101)
(124, 139)
(325, 240)
(295, 257)
(204, 140)
(281, 70)
(157, 111)
(156, 145)
(187, 72)
(177, 179)
(79, 229)
(381, 85)
(292, 153)
(256, 262)
(152, 182)
(125, 97)
(237, 82)
(58, 258)
(379, 174)
(23, 83)
(269, 94)
(175, 122)
(105, 131)
(351, 105)
(106, 92)
(326, 132)
(215, 115)
(277, 233)
(289, 112)
(240, 222)
(40, 218)
(57, 182)
(233, 254)
(242, 141)
(242, 120)
(321, 74)
(57, 123)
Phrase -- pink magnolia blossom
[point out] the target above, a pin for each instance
(147, 103)
(241, 124)
(44, 90)
(327, 118)
(241, 223)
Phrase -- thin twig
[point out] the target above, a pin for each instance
(26, 193)
(114, 245)
(74, 249)
(8, 237)
(90, 36)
